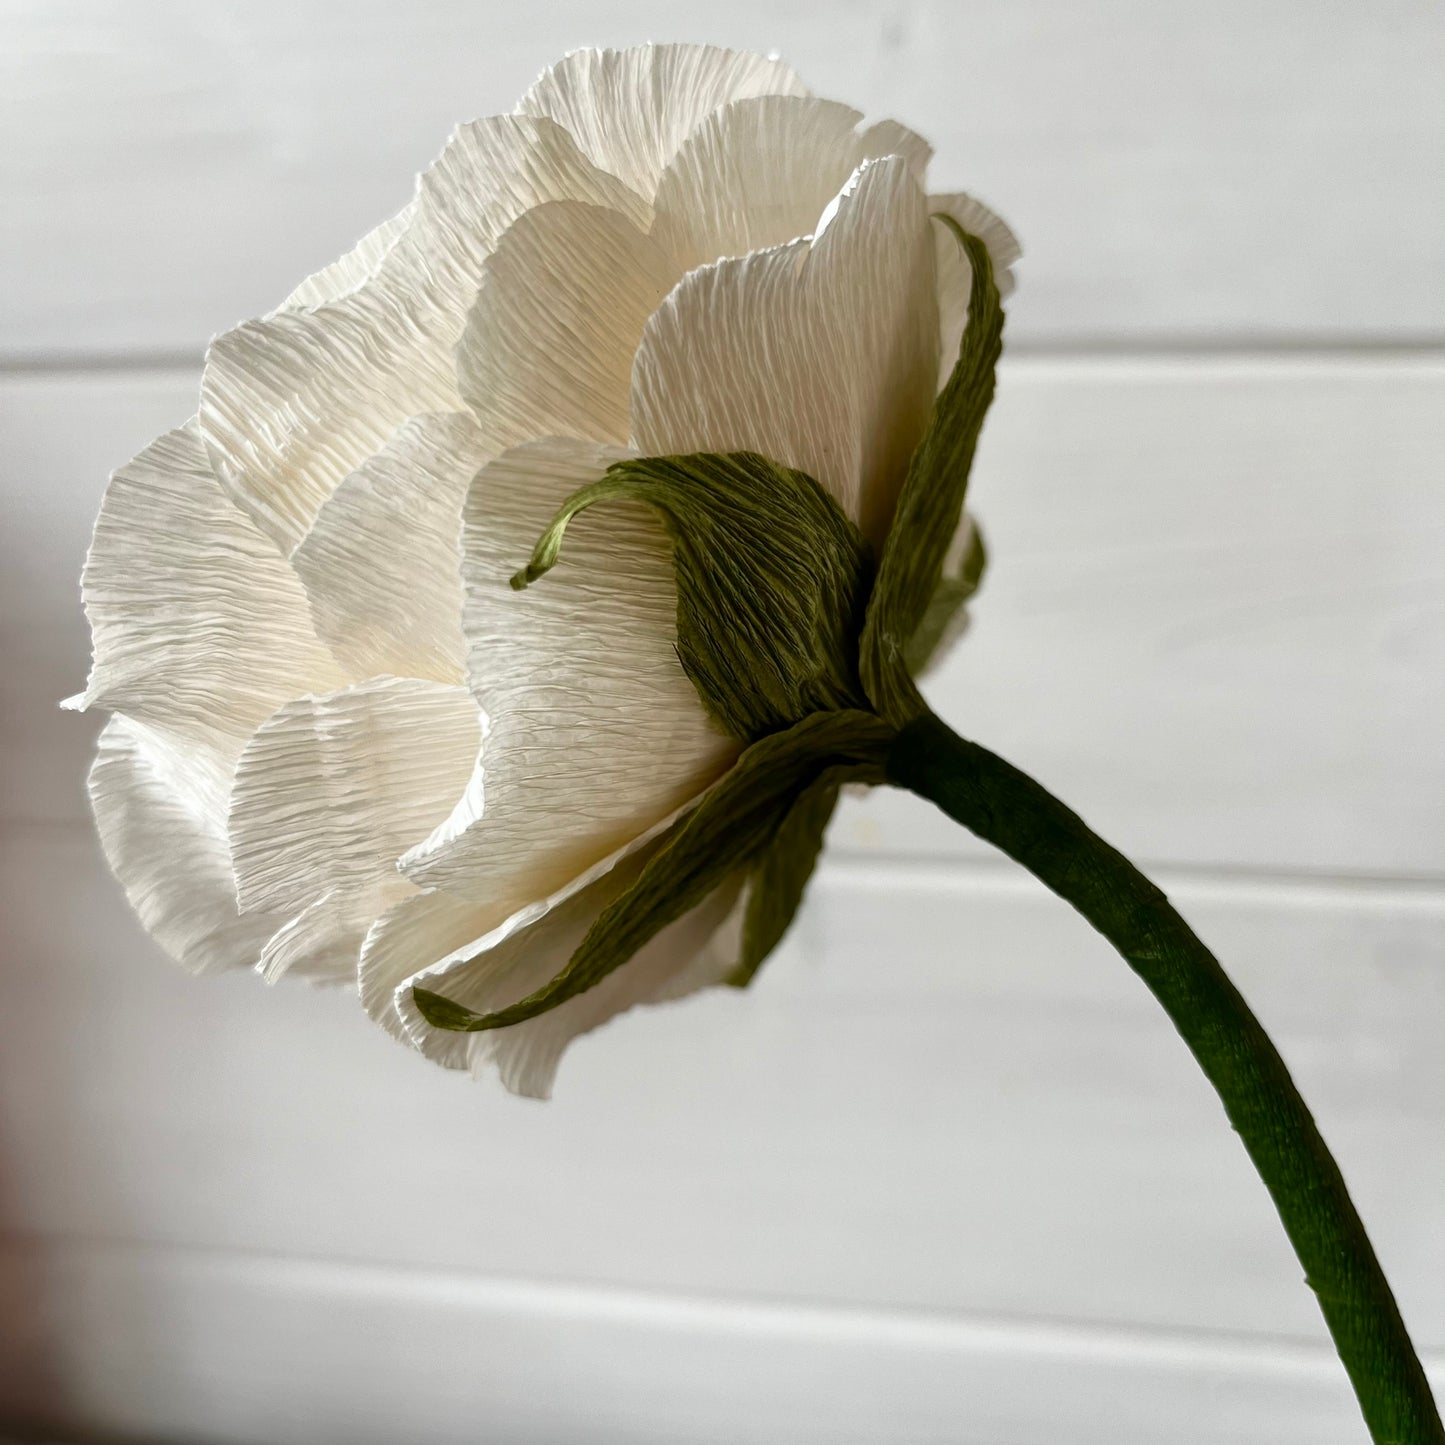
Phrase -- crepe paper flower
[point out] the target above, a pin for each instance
(343, 748)
(497, 636)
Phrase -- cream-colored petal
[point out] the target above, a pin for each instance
(198, 625)
(428, 928)
(685, 956)
(322, 944)
(892, 138)
(167, 847)
(293, 403)
(355, 268)
(197, 772)
(419, 930)
(334, 788)
(549, 343)
(760, 172)
(467, 954)
(630, 110)
(955, 277)
(382, 563)
(594, 730)
(823, 357)
(491, 172)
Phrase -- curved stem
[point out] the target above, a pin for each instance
(1008, 809)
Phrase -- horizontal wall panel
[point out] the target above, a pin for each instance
(1235, 170)
(946, 1093)
(199, 1346)
(1214, 619)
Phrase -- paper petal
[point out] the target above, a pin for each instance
(823, 358)
(355, 268)
(491, 172)
(594, 730)
(166, 845)
(760, 172)
(427, 928)
(954, 276)
(323, 942)
(382, 564)
(630, 110)
(333, 789)
(891, 138)
(198, 625)
(294, 402)
(485, 964)
(548, 347)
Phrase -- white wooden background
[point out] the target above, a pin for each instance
(945, 1174)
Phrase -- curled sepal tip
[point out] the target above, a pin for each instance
(549, 544)
(772, 581)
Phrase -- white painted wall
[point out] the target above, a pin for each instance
(945, 1174)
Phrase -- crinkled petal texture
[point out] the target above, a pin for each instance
(379, 564)
(488, 959)
(631, 110)
(166, 842)
(821, 353)
(344, 749)
(294, 402)
(594, 731)
(954, 277)
(199, 627)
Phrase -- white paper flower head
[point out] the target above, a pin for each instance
(343, 747)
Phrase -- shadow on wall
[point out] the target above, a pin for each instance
(33, 1387)
(41, 1400)
(60, 1294)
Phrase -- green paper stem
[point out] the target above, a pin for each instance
(1005, 807)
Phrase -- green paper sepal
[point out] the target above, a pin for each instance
(930, 504)
(945, 619)
(772, 582)
(731, 829)
(779, 877)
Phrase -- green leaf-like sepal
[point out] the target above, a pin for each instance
(780, 875)
(772, 582)
(944, 618)
(730, 829)
(930, 504)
